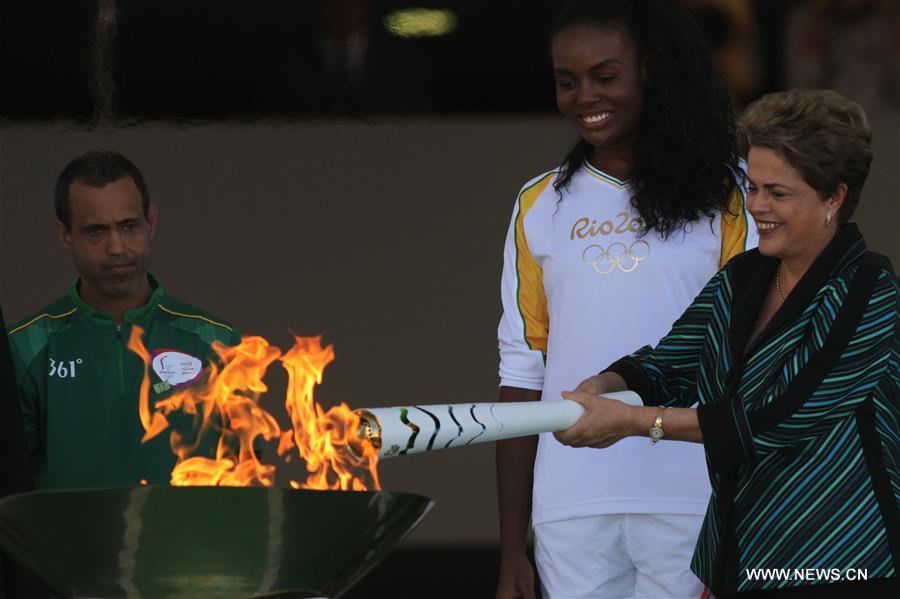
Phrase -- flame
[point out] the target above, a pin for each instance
(322, 437)
(225, 406)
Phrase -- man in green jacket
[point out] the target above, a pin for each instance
(77, 380)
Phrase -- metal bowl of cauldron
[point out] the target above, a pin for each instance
(180, 542)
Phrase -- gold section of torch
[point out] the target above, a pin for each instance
(369, 431)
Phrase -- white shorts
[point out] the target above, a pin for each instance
(618, 556)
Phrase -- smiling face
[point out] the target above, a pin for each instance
(109, 240)
(599, 85)
(790, 215)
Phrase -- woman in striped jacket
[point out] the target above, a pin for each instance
(790, 354)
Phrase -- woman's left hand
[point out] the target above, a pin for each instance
(604, 422)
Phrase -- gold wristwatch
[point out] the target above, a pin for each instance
(656, 431)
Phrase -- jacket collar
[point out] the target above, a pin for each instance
(133, 315)
(753, 275)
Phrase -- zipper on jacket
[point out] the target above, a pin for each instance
(121, 362)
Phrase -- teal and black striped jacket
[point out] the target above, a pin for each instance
(801, 427)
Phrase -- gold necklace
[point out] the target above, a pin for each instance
(778, 283)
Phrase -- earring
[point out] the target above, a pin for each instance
(828, 218)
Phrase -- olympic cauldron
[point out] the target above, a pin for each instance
(185, 542)
(180, 542)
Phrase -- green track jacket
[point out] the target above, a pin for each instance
(79, 386)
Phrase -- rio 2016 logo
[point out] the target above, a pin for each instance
(624, 223)
(64, 369)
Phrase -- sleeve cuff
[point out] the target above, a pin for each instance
(635, 380)
(726, 434)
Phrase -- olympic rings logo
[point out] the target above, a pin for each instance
(617, 255)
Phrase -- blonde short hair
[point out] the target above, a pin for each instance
(824, 136)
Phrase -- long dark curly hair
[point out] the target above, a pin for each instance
(685, 155)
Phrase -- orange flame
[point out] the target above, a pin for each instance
(226, 406)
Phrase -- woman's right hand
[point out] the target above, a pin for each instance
(516, 578)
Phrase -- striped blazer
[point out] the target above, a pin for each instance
(801, 428)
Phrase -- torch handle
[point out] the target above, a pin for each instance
(417, 429)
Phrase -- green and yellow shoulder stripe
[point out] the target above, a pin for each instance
(206, 326)
(530, 296)
(30, 335)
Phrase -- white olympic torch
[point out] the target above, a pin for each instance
(417, 429)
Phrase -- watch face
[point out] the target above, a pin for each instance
(656, 434)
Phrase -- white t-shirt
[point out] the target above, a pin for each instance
(580, 289)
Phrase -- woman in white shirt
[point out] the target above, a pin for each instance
(602, 255)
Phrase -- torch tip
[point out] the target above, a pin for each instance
(368, 432)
